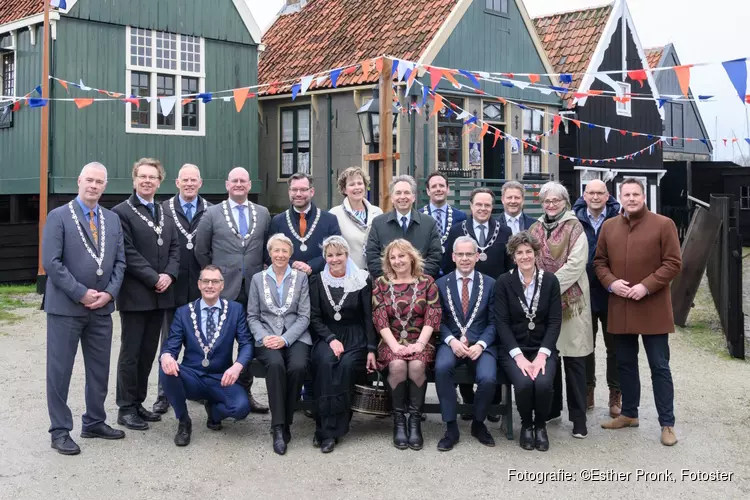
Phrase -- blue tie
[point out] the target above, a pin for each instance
(210, 323)
(242, 220)
(404, 224)
(150, 207)
(188, 211)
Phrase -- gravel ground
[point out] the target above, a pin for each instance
(713, 425)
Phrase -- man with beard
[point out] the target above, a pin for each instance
(438, 208)
(232, 235)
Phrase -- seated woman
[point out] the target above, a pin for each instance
(406, 311)
(528, 316)
(278, 314)
(340, 308)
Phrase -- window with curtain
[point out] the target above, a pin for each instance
(533, 123)
(295, 141)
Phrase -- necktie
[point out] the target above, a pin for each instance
(210, 323)
(302, 224)
(242, 222)
(514, 225)
(189, 212)
(465, 296)
(92, 226)
(150, 207)
(439, 218)
(404, 225)
(482, 237)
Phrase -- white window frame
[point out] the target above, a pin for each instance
(587, 176)
(153, 71)
(744, 197)
(5, 50)
(542, 142)
(497, 12)
(624, 109)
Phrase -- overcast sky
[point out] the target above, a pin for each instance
(701, 32)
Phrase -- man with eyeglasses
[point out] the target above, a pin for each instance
(232, 236)
(592, 209)
(207, 328)
(152, 254)
(512, 195)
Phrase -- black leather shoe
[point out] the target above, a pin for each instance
(65, 445)
(327, 445)
(287, 434)
(132, 421)
(103, 431)
(467, 416)
(184, 431)
(479, 431)
(494, 418)
(214, 426)
(148, 416)
(541, 441)
(161, 405)
(279, 445)
(527, 438)
(448, 442)
(255, 406)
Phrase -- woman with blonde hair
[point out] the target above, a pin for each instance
(406, 311)
(355, 214)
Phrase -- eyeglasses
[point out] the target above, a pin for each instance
(554, 201)
(299, 190)
(596, 193)
(211, 282)
(151, 178)
(465, 255)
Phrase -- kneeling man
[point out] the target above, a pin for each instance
(467, 335)
(207, 328)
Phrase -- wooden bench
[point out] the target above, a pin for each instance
(462, 376)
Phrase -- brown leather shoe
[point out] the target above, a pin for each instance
(255, 406)
(620, 422)
(668, 437)
(590, 397)
(615, 403)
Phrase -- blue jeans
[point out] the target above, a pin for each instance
(657, 352)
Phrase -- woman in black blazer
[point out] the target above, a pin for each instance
(528, 315)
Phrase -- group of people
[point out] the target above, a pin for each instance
(331, 296)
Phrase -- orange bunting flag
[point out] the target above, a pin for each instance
(350, 70)
(65, 85)
(577, 122)
(502, 100)
(534, 78)
(634, 134)
(497, 136)
(485, 128)
(595, 92)
(683, 76)
(16, 106)
(435, 76)
(379, 64)
(239, 97)
(438, 105)
(580, 95)
(478, 91)
(449, 76)
(556, 123)
(639, 75)
(747, 98)
(412, 77)
(187, 100)
(133, 100)
(623, 132)
(82, 103)
(469, 129)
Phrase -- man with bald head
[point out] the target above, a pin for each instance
(84, 258)
(592, 209)
(232, 235)
(186, 210)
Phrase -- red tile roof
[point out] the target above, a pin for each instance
(570, 38)
(654, 56)
(13, 10)
(327, 34)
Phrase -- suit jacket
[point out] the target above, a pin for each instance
(71, 271)
(524, 219)
(146, 259)
(186, 287)
(262, 319)
(511, 322)
(483, 326)
(328, 225)
(217, 244)
(498, 261)
(422, 233)
(458, 217)
(182, 333)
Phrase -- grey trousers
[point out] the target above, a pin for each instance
(63, 334)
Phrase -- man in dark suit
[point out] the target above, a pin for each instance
(152, 253)
(306, 225)
(207, 328)
(186, 210)
(512, 195)
(404, 222)
(438, 208)
(467, 335)
(82, 254)
(232, 235)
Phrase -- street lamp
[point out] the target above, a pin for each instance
(369, 119)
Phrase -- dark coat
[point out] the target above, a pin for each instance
(328, 225)
(599, 294)
(511, 322)
(498, 261)
(146, 259)
(186, 287)
(526, 221)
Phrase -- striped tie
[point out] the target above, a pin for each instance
(92, 226)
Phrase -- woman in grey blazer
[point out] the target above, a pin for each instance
(278, 314)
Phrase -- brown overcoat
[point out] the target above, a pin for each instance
(642, 248)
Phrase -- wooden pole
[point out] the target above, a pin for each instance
(386, 134)
(44, 137)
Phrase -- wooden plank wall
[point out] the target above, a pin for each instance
(18, 252)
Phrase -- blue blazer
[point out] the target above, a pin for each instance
(483, 327)
(182, 333)
(328, 225)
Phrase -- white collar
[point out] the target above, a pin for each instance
(477, 224)
(460, 276)
(509, 217)
(444, 208)
(203, 305)
(309, 207)
(399, 215)
(588, 212)
(234, 204)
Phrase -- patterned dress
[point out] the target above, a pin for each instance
(427, 312)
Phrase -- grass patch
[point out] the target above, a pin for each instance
(703, 330)
(13, 297)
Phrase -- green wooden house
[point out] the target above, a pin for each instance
(145, 48)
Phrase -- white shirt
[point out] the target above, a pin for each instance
(306, 211)
(477, 232)
(399, 215)
(460, 283)
(528, 292)
(512, 222)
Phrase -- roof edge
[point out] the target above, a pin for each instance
(571, 11)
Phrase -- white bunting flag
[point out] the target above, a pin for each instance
(167, 104)
(607, 130)
(305, 84)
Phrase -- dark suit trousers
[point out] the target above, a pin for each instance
(168, 318)
(246, 375)
(140, 340)
(575, 388)
(485, 375)
(63, 334)
(613, 378)
(286, 369)
(226, 402)
(533, 397)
